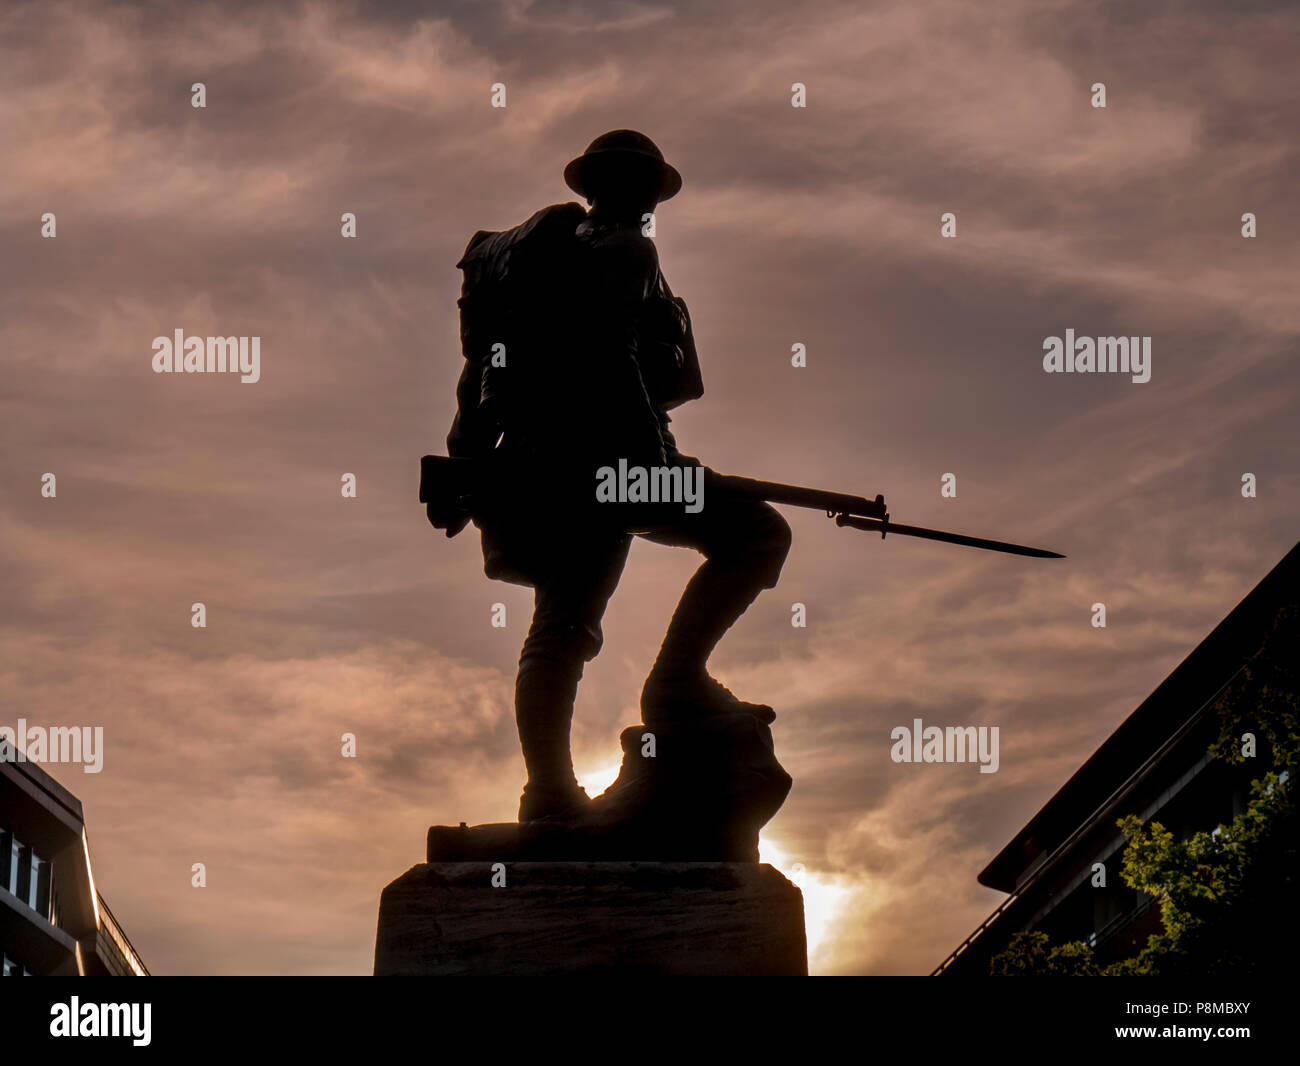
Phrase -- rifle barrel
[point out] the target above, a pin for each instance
(795, 496)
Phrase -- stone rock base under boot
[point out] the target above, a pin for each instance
(685, 793)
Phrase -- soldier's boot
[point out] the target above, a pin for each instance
(679, 688)
(544, 692)
(555, 803)
(672, 700)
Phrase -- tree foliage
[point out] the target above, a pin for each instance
(1227, 895)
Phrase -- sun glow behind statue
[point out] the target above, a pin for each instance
(594, 782)
(824, 896)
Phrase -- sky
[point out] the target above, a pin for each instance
(818, 225)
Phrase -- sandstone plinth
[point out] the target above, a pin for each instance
(570, 918)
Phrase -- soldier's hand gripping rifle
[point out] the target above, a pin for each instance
(448, 488)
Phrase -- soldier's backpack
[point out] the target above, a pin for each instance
(517, 287)
(511, 278)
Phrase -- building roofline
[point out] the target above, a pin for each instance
(1155, 720)
(43, 782)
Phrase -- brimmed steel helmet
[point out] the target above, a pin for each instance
(616, 153)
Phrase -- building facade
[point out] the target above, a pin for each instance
(1156, 766)
(53, 921)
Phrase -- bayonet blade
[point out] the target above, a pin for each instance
(873, 525)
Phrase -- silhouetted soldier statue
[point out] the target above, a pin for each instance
(575, 350)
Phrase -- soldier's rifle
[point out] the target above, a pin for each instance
(448, 485)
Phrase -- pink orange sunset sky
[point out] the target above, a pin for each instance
(816, 225)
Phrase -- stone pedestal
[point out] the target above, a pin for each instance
(554, 918)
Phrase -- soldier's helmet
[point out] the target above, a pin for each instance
(618, 156)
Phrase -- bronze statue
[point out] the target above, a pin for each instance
(575, 351)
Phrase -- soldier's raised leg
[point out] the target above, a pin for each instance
(745, 544)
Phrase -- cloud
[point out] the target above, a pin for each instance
(818, 225)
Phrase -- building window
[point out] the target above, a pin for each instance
(6, 852)
(12, 968)
(36, 887)
(25, 874)
(17, 853)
